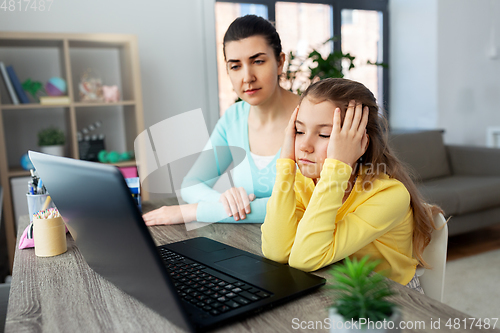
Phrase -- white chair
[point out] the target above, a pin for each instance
(432, 280)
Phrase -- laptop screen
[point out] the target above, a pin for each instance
(109, 231)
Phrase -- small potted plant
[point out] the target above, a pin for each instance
(361, 304)
(51, 141)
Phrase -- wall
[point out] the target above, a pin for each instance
(468, 77)
(441, 75)
(176, 47)
(442, 72)
(413, 64)
(177, 73)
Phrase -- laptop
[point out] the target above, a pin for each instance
(197, 284)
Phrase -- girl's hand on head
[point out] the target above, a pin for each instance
(171, 215)
(236, 202)
(288, 148)
(349, 141)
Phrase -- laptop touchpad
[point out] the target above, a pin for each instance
(245, 265)
(206, 245)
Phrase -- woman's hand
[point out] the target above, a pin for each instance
(349, 142)
(288, 148)
(236, 202)
(171, 215)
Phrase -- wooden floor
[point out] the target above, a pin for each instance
(472, 243)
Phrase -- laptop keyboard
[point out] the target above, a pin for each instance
(209, 290)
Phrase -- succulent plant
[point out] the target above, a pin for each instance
(362, 293)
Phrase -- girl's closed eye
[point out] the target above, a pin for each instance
(324, 135)
(298, 132)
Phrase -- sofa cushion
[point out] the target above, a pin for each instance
(423, 151)
(436, 194)
(462, 194)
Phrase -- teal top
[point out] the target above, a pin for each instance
(197, 187)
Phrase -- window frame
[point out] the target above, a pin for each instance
(338, 6)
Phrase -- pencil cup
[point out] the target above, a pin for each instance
(36, 202)
(49, 236)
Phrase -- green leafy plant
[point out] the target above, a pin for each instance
(333, 66)
(361, 292)
(51, 137)
(33, 87)
(297, 78)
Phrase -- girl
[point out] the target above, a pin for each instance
(351, 195)
(254, 59)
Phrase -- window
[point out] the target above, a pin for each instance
(302, 27)
(361, 28)
(362, 37)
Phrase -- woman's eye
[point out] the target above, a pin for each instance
(324, 136)
(234, 67)
(258, 62)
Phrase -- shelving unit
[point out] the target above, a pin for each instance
(40, 56)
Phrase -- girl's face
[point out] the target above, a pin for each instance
(314, 125)
(253, 69)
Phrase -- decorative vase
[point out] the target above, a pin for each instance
(341, 325)
(53, 150)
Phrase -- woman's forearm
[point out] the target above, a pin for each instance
(199, 192)
(189, 212)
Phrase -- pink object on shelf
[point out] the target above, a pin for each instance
(129, 172)
(27, 241)
(110, 93)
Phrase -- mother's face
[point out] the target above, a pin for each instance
(253, 69)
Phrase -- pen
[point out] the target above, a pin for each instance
(30, 188)
(39, 187)
(34, 177)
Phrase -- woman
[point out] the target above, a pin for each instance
(352, 197)
(254, 62)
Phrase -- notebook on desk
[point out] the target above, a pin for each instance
(197, 284)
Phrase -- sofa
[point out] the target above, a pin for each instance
(464, 181)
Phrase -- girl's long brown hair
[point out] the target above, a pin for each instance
(379, 155)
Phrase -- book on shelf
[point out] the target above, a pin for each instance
(54, 100)
(17, 85)
(8, 84)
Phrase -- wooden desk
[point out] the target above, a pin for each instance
(62, 294)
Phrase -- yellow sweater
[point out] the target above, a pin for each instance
(308, 227)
